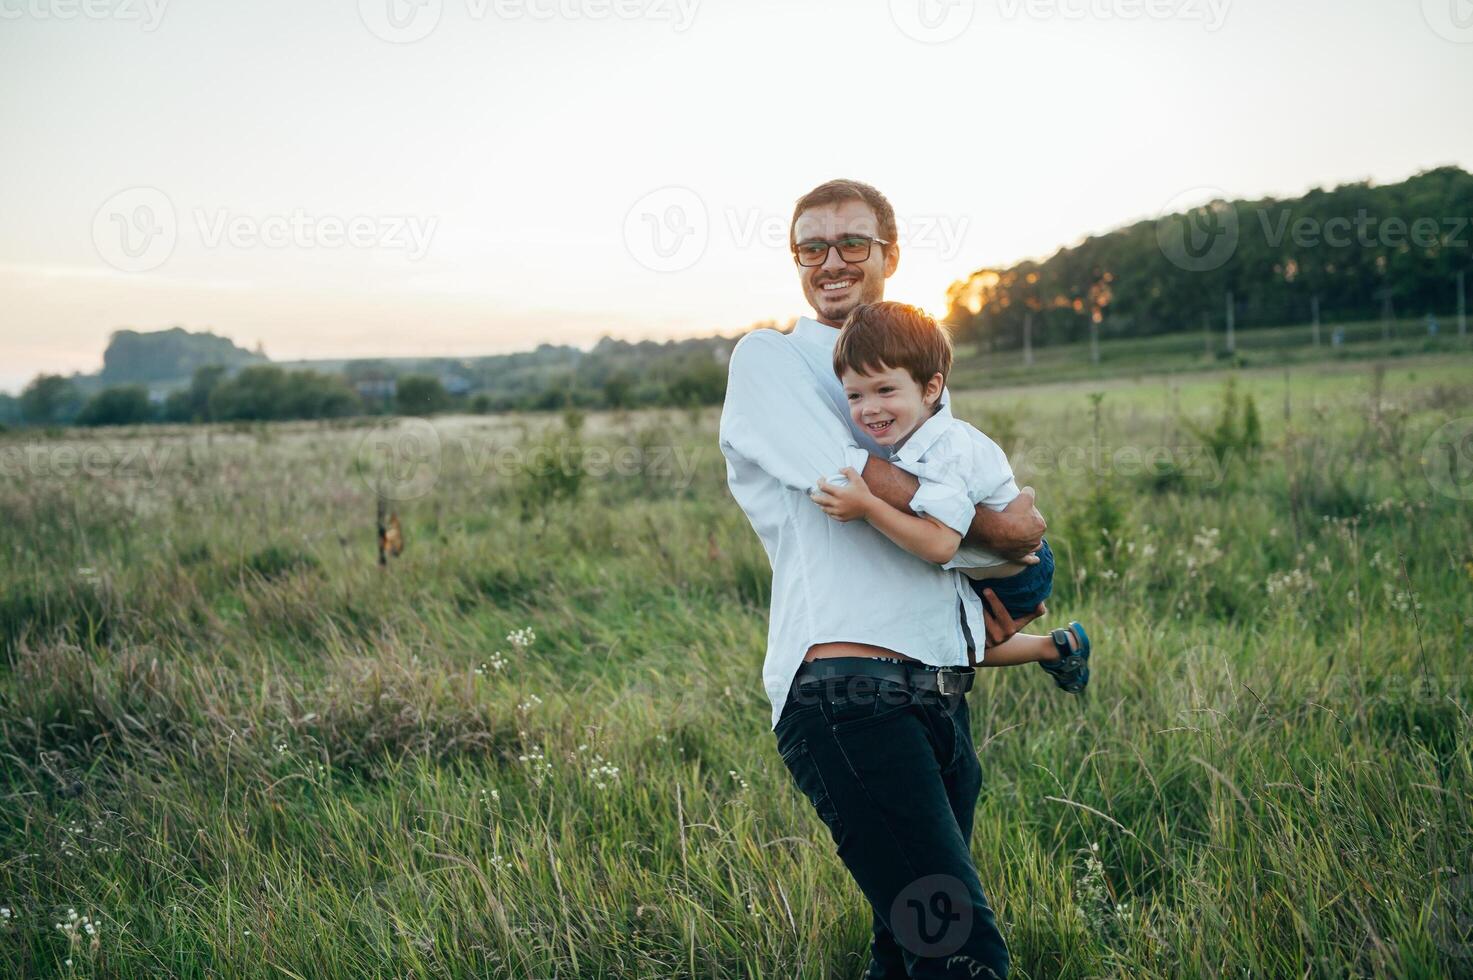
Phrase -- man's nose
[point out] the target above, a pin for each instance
(833, 262)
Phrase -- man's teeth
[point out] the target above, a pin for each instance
(829, 287)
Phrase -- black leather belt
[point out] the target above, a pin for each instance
(946, 681)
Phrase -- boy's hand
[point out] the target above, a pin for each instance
(844, 503)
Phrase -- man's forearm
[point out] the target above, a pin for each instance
(1011, 533)
(890, 483)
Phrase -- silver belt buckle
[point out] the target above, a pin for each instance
(941, 683)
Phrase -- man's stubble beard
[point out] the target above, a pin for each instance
(871, 290)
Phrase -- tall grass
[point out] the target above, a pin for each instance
(241, 748)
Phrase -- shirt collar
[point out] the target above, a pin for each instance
(925, 437)
(811, 331)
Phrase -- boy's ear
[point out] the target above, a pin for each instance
(933, 388)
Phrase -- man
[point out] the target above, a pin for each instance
(868, 705)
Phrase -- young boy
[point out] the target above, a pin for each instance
(893, 360)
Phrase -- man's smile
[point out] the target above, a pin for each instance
(831, 286)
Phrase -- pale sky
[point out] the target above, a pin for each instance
(523, 171)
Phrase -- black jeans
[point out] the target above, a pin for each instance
(893, 774)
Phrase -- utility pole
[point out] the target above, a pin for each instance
(1094, 340)
(1462, 309)
(1028, 339)
(1387, 312)
(1207, 334)
(1314, 318)
(1231, 344)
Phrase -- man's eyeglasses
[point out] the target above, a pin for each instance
(854, 248)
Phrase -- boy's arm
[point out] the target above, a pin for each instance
(924, 537)
(1014, 532)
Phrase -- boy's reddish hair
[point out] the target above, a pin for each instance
(893, 335)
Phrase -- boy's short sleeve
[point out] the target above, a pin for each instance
(947, 501)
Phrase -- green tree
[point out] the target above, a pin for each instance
(421, 394)
(48, 399)
(120, 405)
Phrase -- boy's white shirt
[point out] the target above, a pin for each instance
(785, 423)
(959, 467)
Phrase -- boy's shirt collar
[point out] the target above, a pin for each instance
(925, 437)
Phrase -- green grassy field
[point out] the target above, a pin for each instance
(238, 747)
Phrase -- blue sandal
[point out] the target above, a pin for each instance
(1071, 670)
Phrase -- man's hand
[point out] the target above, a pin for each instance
(1014, 532)
(844, 503)
(1000, 624)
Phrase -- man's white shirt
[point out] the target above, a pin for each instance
(959, 468)
(785, 424)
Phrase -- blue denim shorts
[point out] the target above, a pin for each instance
(1020, 594)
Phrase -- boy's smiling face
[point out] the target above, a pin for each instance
(888, 403)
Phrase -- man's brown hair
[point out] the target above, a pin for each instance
(838, 191)
(877, 336)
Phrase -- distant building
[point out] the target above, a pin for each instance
(375, 389)
(455, 384)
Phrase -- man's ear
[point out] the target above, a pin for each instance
(892, 259)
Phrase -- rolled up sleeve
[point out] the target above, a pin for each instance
(777, 418)
(946, 501)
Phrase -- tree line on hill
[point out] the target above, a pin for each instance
(1357, 252)
(615, 374)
